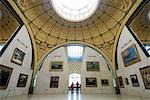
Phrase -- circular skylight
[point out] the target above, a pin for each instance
(75, 10)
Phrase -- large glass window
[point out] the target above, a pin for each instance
(75, 53)
(75, 10)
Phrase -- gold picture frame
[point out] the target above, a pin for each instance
(92, 66)
(56, 66)
(130, 55)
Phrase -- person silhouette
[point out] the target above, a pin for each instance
(72, 87)
(77, 85)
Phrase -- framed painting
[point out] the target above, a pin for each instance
(126, 81)
(56, 66)
(91, 82)
(22, 80)
(18, 56)
(105, 82)
(134, 80)
(92, 66)
(54, 82)
(5, 74)
(120, 80)
(145, 73)
(130, 55)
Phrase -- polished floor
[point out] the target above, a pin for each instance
(73, 96)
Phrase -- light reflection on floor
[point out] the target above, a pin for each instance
(74, 96)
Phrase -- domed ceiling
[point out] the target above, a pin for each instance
(8, 24)
(99, 30)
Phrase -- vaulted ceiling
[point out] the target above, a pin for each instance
(8, 24)
(100, 30)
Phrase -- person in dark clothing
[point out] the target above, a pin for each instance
(77, 84)
(72, 87)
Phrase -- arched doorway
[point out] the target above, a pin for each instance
(74, 78)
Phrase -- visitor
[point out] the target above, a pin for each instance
(77, 85)
(72, 87)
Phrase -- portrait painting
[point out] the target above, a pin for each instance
(18, 56)
(5, 74)
(105, 82)
(145, 73)
(120, 80)
(56, 66)
(126, 81)
(130, 55)
(92, 66)
(22, 80)
(54, 82)
(134, 80)
(91, 82)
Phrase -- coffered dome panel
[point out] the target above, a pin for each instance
(100, 29)
(8, 24)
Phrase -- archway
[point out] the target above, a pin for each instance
(81, 44)
(74, 78)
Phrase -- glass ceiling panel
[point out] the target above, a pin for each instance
(75, 52)
(75, 10)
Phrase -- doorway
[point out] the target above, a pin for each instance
(75, 78)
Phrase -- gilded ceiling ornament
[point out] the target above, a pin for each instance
(26, 3)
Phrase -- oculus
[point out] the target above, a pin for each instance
(75, 10)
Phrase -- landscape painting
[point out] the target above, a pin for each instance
(91, 82)
(130, 55)
(92, 66)
(56, 66)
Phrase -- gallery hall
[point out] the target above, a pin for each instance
(74, 50)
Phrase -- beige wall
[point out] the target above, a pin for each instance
(44, 75)
(43, 79)
(104, 73)
(125, 41)
(25, 68)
